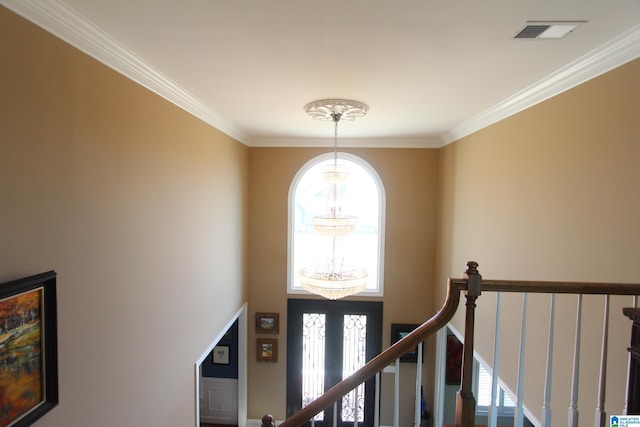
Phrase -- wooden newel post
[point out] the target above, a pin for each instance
(465, 402)
(268, 421)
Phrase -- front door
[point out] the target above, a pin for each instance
(326, 342)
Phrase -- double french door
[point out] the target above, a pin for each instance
(326, 342)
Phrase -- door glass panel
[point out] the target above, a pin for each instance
(353, 358)
(313, 347)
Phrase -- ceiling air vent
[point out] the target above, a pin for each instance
(547, 30)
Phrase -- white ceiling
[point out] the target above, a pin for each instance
(430, 70)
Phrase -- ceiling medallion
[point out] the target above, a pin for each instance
(325, 109)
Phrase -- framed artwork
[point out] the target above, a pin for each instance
(221, 355)
(399, 331)
(267, 349)
(453, 368)
(267, 323)
(28, 349)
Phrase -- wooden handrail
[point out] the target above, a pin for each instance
(560, 287)
(378, 363)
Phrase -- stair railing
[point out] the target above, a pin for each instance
(553, 288)
(473, 285)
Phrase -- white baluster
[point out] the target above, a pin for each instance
(441, 357)
(518, 417)
(492, 419)
(626, 393)
(546, 405)
(355, 407)
(573, 404)
(335, 414)
(396, 397)
(418, 404)
(376, 413)
(601, 415)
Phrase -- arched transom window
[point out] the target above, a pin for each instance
(362, 195)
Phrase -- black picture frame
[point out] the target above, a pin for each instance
(28, 346)
(399, 331)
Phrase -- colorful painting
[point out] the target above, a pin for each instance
(21, 379)
(453, 371)
(267, 349)
(267, 323)
(28, 373)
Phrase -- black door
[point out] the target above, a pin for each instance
(326, 342)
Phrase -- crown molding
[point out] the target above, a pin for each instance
(65, 23)
(377, 142)
(613, 54)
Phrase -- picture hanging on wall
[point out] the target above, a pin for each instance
(28, 349)
(399, 331)
(453, 369)
(267, 323)
(221, 355)
(267, 349)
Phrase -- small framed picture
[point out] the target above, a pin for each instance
(221, 355)
(399, 331)
(267, 349)
(267, 323)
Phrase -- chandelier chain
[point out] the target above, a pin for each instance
(336, 119)
(334, 278)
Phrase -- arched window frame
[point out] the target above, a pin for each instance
(382, 203)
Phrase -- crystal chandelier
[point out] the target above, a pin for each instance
(334, 278)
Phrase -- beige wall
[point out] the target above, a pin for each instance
(139, 207)
(409, 178)
(143, 211)
(552, 194)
